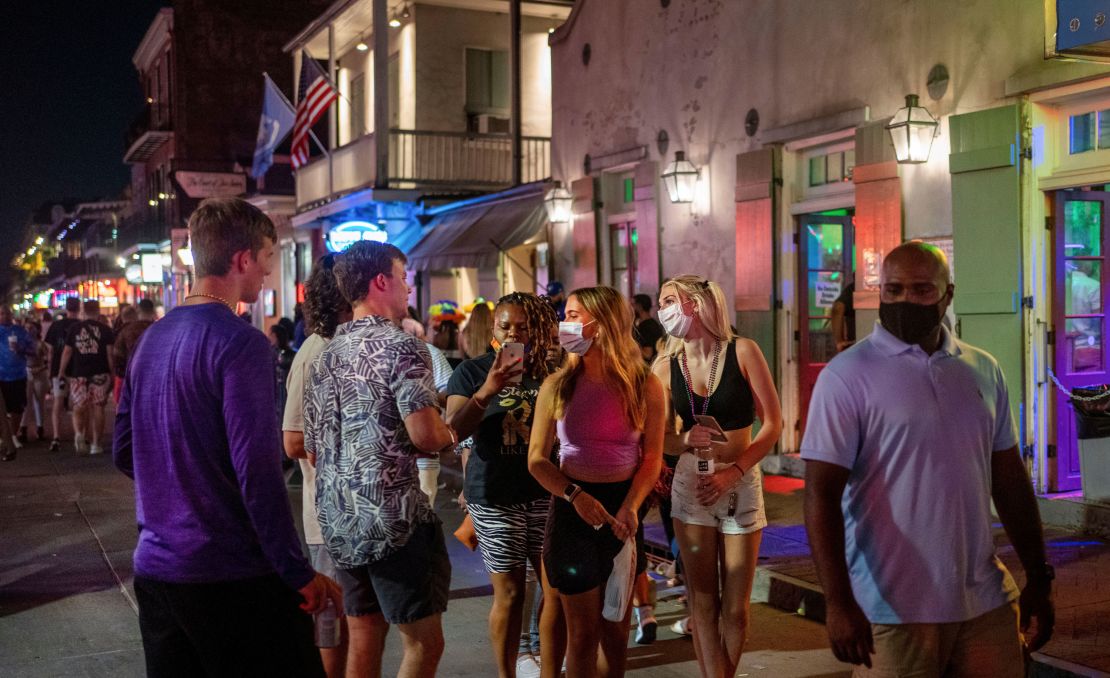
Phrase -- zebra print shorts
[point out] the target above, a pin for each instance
(510, 534)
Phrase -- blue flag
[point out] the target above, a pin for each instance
(275, 125)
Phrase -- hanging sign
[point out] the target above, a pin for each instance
(211, 184)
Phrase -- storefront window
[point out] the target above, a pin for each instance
(1081, 133)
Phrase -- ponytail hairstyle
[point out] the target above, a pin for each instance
(540, 322)
(710, 308)
(622, 362)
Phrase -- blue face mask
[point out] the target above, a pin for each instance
(571, 339)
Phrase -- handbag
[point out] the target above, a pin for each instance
(465, 533)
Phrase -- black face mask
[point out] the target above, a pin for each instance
(908, 321)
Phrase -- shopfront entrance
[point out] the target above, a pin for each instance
(1082, 239)
(826, 255)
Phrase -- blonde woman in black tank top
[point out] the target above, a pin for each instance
(718, 518)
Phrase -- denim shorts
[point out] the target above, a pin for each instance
(406, 586)
(738, 511)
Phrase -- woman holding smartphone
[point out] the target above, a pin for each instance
(607, 411)
(712, 376)
(492, 397)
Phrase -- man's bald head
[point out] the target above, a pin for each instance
(917, 255)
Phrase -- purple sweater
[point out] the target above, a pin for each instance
(195, 428)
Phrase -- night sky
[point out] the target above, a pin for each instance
(68, 93)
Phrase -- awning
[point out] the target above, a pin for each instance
(473, 236)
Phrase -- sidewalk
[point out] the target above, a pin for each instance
(67, 530)
(1080, 646)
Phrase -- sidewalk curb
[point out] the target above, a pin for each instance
(791, 594)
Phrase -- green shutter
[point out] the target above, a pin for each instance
(986, 224)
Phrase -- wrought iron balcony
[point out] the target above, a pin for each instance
(147, 133)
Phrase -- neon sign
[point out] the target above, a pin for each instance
(349, 232)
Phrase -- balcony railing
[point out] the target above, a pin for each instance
(464, 160)
(147, 133)
(449, 160)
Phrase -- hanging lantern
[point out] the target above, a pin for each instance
(680, 177)
(912, 130)
(558, 204)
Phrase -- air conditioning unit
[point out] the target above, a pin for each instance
(491, 124)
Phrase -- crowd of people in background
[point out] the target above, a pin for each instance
(71, 360)
(572, 415)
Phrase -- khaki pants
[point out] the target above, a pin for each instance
(988, 645)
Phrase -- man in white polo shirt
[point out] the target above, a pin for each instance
(908, 439)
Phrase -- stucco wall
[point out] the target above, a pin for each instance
(695, 68)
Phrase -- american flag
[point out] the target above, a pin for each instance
(314, 95)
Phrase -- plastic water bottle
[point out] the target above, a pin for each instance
(327, 626)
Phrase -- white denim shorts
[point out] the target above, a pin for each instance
(747, 515)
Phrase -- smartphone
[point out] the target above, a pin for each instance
(717, 434)
(513, 352)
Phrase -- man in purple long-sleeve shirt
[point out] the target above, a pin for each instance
(221, 581)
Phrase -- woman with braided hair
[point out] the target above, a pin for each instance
(492, 397)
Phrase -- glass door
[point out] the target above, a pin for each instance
(622, 256)
(825, 254)
(1079, 319)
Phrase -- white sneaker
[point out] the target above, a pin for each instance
(527, 666)
(16, 444)
(682, 627)
(95, 449)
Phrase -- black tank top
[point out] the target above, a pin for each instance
(732, 404)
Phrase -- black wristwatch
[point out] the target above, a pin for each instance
(571, 492)
(1045, 575)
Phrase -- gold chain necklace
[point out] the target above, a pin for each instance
(223, 301)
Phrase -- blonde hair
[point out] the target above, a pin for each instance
(621, 360)
(476, 334)
(710, 308)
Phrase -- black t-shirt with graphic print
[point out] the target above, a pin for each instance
(497, 471)
(90, 341)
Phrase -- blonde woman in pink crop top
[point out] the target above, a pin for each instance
(608, 412)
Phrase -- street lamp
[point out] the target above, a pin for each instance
(680, 177)
(558, 203)
(912, 130)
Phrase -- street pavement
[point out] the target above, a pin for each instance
(67, 606)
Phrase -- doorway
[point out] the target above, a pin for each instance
(826, 256)
(1079, 314)
(622, 255)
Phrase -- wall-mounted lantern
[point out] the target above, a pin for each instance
(558, 202)
(912, 130)
(680, 177)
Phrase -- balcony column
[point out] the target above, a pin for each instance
(381, 93)
(515, 125)
(333, 111)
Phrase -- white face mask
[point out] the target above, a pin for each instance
(675, 321)
(571, 339)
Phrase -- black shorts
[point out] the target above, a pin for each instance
(577, 557)
(406, 586)
(15, 395)
(251, 627)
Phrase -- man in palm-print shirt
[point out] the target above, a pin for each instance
(370, 409)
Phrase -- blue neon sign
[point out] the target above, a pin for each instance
(349, 232)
